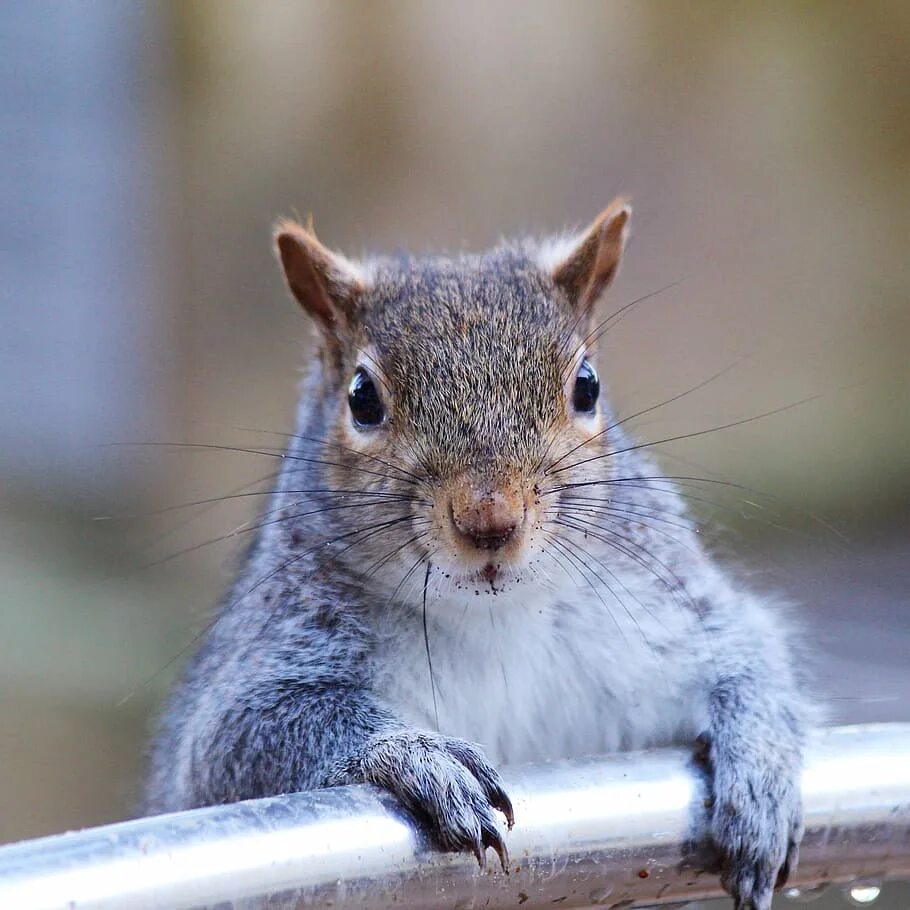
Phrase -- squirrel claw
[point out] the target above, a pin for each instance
(500, 800)
(447, 783)
(475, 761)
(492, 839)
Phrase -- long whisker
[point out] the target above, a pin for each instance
(672, 491)
(645, 482)
(600, 330)
(268, 453)
(426, 642)
(209, 626)
(628, 612)
(383, 496)
(334, 445)
(207, 506)
(248, 528)
(635, 510)
(590, 337)
(633, 553)
(567, 552)
(546, 551)
(689, 614)
(648, 410)
(705, 432)
(374, 530)
(580, 512)
(383, 560)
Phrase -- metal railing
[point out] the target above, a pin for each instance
(603, 831)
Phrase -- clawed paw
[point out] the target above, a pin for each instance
(752, 881)
(754, 829)
(447, 783)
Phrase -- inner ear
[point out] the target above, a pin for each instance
(586, 270)
(325, 284)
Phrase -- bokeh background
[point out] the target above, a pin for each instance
(147, 147)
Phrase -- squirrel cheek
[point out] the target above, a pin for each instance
(584, 432)
(371, 442)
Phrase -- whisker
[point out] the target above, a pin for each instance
(209, 626)
(600, 330)
(674, 588)
(268, 453)
(541, 576)
(546, 551)
(645, 482)
(590, 337)
(567, 551)
(247, 528)
(713, 503)
(207, 506)
(622, 521)
(420, 559)
(334, 445)
(628, 612)
(375, 566)
(568, 504)
(373, 529)
(618, 423)
(688, 614)
(214, 500)
(378, 564)
(426, 642)
(705, 432)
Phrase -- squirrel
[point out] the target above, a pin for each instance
(466, 561)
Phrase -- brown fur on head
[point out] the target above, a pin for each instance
(474, 361)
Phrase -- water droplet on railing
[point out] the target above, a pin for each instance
(805, 895)
(863, 892)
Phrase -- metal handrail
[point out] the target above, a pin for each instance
(600, 831)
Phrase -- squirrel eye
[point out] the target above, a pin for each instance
(587, 388)
(363, 400)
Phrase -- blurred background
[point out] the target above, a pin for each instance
(147, 147)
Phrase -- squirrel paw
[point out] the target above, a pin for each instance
(754, 829)
(446, 782)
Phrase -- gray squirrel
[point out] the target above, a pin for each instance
(466, 562)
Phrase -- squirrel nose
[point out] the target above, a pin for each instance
(489, 518)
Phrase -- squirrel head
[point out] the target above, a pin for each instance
(451, 386)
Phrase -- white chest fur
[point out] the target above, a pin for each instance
(532, 675)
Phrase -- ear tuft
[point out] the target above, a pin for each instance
(325, 284)
(586, 270)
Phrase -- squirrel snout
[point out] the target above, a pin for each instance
(487, 519)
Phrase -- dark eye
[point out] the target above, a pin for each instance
(363, 399)
(587, 388)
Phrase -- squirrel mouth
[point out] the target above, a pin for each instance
(489, 572)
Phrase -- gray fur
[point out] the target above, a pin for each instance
(627, 636)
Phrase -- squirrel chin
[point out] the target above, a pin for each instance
(489, 572)
(493, 578)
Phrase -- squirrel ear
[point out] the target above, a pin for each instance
(325, 284)
(585, 271)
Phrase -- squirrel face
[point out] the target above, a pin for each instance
(465, 378)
